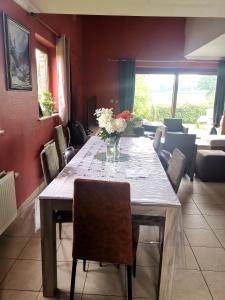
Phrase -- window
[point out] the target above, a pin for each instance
(42, 71)
(44, 58)
(185, 95)
(195, 101)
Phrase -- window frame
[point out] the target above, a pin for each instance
(176, 72)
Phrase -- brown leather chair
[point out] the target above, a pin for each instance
(105, 234)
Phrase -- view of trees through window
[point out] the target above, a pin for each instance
(42, 71)
(193, 102)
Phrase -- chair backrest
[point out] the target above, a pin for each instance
(49, 162)
(176, 168)
(157, 139)
(60, 142)
(173, 124)
(102, 221)
(77, 133)
(186, 144)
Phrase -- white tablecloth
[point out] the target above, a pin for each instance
(148, 181)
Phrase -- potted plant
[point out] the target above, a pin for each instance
(47, 103)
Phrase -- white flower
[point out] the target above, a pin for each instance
(119, 124)
(107, 121)
(104, 116)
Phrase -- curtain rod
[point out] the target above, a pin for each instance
(163, 61)
(35, 16)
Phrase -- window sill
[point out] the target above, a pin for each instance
(48, 117)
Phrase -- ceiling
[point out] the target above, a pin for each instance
(214, 50)
(171, 8)
(203, 16)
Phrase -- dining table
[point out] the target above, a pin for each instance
(150, 191)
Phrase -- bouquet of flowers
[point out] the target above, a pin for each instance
(113, 126)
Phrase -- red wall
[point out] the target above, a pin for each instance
(141, 38)
(24, 134)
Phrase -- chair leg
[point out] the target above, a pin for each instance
(60, 230)
(73, 277)
(84, 265)
(129, 282)
(134, 268)
(160, 259)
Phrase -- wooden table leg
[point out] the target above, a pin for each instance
(169, 247)
(48, 248)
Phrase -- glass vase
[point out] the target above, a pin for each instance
(112, 150)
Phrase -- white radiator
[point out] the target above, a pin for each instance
(8, 209)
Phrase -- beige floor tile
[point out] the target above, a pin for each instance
(67, 231)
(211, 209)
(106, 280)
(32, 250)
(216, 283)
(5, 265)
(11, 247)
(147, 233)
(145, 283)
(186, 242)
(24, 275)
(213, 198)
(202, 237)
(18, 295)
(194, 221)
(190, 208)
(22, 228)
(64, 277)
(220, 233)
(210, 259)
(189, 285)
(147, 255)
(189, 262)
(61, 296)
(216, 222)
(64, 252)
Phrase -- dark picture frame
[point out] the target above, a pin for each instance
(17, 54)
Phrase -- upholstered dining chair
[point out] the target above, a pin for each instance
(65, 154)
(186, 144)
(50, 168)
(176, 167)
(157, 139)
(105, 236)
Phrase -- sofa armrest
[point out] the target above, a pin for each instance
(185, 129)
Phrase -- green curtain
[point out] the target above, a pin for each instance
(126, 84)
(219, 97)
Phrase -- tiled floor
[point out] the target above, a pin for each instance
(202, 277)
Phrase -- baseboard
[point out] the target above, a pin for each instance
(31, 198)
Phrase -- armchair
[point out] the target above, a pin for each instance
(174, 125)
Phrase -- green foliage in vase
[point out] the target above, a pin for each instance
(47, 103)
(103, 134)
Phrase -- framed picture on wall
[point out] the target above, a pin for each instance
(17, 55)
